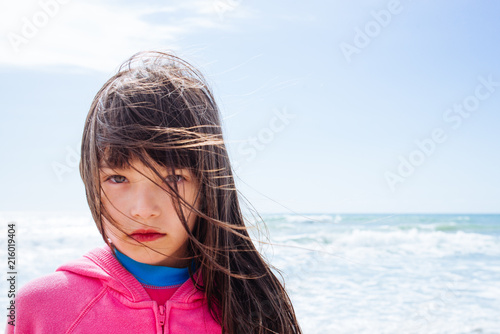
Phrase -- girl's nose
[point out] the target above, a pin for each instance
(145, 203)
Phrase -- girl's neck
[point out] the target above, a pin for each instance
(154, 275)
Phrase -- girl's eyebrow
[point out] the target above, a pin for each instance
(167, 169)
(106, 167)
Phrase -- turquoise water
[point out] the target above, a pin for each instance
(345, 273)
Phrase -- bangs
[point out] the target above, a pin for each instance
(144, 128)
(119, 157)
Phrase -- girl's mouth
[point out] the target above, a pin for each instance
(146, 235)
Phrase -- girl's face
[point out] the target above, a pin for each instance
(132, 193)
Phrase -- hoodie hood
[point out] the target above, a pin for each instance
(101, 264)
(95, 294)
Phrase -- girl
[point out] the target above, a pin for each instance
(178, 257)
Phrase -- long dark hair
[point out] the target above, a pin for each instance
(158, 108)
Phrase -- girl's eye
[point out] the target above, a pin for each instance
(117, 178)
(174, 178)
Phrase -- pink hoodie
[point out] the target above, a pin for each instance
(95, 294)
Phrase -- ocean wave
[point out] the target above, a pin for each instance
(402, 242)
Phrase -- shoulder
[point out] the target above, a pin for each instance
(58, 286)
(51, 303)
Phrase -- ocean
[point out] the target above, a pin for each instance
(345, 273)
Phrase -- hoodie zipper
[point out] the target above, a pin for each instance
(162, 318)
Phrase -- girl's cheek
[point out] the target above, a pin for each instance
(112, 193)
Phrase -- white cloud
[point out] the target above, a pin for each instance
(95, 34)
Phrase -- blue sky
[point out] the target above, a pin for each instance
(406, 120)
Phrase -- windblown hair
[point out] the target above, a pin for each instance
(159, 109)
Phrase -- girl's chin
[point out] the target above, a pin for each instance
(149, 256)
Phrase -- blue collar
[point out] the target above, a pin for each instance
(154, 275)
